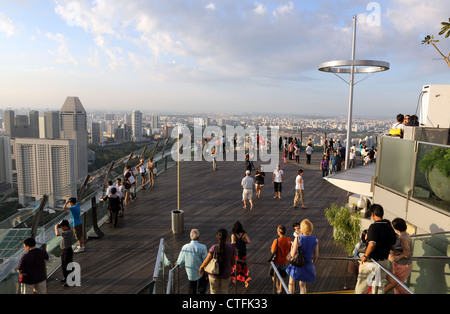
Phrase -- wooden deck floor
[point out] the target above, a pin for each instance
(123, 261)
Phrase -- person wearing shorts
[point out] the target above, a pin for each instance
(277, 180)
(247, 184)
(77, 224)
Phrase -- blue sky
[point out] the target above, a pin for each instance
(217, 55)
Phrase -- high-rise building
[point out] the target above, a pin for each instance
(136, 126)
(155, 121)
(51, 121)
(21, 125)
(96, 133)
(44, 167)
(33, 121)
(5, 160)
(73, 126)
(9, 120)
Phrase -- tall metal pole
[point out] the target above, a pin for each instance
(350, 102)
(178, 172)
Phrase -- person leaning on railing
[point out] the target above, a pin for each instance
(380, 237)
(400, 257)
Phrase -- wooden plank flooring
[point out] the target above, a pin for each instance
(123, 261)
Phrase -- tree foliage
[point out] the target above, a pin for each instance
(429, 40)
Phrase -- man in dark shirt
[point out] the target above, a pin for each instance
(380, 238)
(32, 268)
(66, 235)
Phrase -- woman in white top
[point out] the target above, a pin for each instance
(299, 188)
(142, 171)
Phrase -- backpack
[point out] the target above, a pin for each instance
(240, 246)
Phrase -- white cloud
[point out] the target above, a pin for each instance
(7, 26)
(211, 6)
(62, 53)
(284, 9)
(260, 8)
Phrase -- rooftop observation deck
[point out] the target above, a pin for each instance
(122, 262)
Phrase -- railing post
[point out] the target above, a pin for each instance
(37, 216)
(97, 230)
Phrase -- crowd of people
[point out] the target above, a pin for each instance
(32, 269)
(230, 255)
(382, 242)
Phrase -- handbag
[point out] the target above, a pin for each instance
(213, 265)
(297, 260)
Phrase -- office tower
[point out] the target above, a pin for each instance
(127, 119)
(96, 133)
(22, 125)
(51, 121)
(44, 167)
(33, 122)
(73, 126)
(122, 134)
(5, 160)
(9, 119)
(155, 121)
(42, 133)
(136, 126)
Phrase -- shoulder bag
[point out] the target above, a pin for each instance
(213, 265)
(297, 260)
(274, 255)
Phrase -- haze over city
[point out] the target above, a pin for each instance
(217, 56)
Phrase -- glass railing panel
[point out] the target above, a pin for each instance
(430, 275)
(395, 163)
(432, 175)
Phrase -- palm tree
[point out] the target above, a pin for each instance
(430, 40)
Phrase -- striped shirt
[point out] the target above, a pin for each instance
(32, 264)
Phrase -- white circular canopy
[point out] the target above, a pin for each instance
(360, 66)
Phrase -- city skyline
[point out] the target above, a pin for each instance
(215, 56)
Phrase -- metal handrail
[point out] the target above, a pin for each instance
(170, 279)
(275, 271)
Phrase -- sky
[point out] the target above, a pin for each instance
(218, 55)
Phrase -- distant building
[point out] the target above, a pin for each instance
(73, 126)
(96, 133)
(51, 122)
(5, 160)
(44, 167)
(136, 126)
(21, 125)
(122, 134)
(155, 121)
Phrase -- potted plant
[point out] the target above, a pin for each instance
(436, 166)
(346, 226)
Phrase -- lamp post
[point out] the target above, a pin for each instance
(356, 66)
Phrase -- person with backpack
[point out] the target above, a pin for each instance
(240, 269)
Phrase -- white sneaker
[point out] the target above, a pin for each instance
(79, 249)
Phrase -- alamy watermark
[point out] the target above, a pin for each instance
(230, 143)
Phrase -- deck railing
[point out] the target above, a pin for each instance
(39, 217)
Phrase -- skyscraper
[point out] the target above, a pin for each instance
(51, 121)
(5, 160)
(44, 167)
(73, 126)
(136, 126)
(96, 133)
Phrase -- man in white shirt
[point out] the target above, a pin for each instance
(247, 184)
(352, 156)
(299, 188)
(309, 150)
(277, 181)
